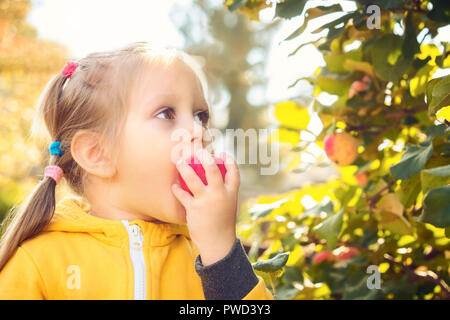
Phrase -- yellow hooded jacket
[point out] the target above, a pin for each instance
(80, 256)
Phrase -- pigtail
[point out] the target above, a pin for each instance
(35, 213)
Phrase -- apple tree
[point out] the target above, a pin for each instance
(380, 229)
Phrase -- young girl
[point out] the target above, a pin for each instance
(129, 231)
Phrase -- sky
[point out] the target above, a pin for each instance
(86, 26)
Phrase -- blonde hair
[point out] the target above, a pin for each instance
(95, 98)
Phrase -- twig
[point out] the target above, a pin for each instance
(433, 253)
(405, 112)
(273, 287)
(372, 200)
(396, 115)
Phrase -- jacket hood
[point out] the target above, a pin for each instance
(71, 215)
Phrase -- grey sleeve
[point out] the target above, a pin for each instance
(230, 278)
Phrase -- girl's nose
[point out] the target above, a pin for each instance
(197, 135)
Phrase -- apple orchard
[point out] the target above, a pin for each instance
(387, 134)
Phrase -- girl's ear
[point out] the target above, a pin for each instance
(90, 153)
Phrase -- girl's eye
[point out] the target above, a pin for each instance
(167, 111)
(169, 114)
(203, 117)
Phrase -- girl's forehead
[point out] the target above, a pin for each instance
(165, 75)
(173, 81)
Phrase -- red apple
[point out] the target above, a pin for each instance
(200, 171)
(359, 86)
(347, 254)
(322, 256)
(342, 148)
(362, 178)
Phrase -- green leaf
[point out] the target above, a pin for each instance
(236, 5)
(352, 65)
(292, 115)
(298, 31)
(333, 86)
(433, 131)
(313, 13)
(386, 58)
(315, 42)
(333, 33)
(438, 94)
(331, 25)
(261, 210)
(325, 206)
(434, 178)
(410, 45)
(287, 292)
(335, 62)
(389, 213)
(289, 8)
(330, 228)
(385, 4)
(309, 79)
(409, 190)
(275, 263)
(436, 207)
(364, 166)
(413, 160)
(356, 289)
(345, 194)
(292, 274)
(417, 85)
(394, 223)
(442, 60)
(319, 11)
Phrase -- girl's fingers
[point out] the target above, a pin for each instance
(212, 172)
(183, 196)
(232, 177)
(189, 176)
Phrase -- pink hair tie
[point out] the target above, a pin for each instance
(69, 69)
(54, 172)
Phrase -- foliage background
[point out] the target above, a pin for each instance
(390, 207)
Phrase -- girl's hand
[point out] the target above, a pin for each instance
(211, 211)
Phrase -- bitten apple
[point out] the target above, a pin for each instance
(195, 164)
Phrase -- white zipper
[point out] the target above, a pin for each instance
(137, 259)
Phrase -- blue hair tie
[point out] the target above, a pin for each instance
(55, 148)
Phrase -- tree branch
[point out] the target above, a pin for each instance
(396, 115)
(372, 200)
(405, 112)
